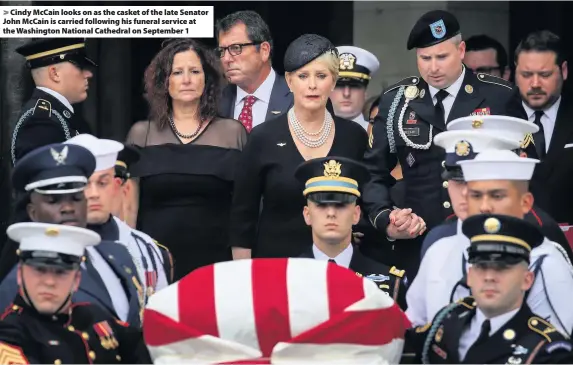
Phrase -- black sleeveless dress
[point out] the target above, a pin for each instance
(186, 191)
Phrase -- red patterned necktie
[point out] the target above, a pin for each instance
(246, 116)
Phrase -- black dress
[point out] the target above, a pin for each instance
(274, 226)
(186, 190)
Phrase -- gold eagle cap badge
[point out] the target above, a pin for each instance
(492, 225)
(332, 169)
(463, 148)
(347, 61)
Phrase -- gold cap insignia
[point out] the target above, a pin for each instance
(52, 232)
(411, 92)
(477, 123)
(463, 148)
(492, 225)
(332, 169)
(347, 61)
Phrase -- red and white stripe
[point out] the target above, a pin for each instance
(281, 310)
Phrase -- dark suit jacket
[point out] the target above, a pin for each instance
(280, 102)
(552, 182)
(388, 281)
(91, 288)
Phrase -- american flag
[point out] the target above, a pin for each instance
(274, 311)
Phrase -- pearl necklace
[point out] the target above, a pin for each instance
(186, 136)
(305, 137)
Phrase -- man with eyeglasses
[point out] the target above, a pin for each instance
(486, 55)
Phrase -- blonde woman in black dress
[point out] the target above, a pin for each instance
(265, 175)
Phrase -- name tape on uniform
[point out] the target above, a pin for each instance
(107, 22)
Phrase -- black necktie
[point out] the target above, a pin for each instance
(439, 107)
(483, 335)
(539, 137)
(332, 261)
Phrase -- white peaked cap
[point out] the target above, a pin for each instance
(56, 238)
(104, 150)
(479, 141)
(499, 125)
(364, 58)
(274, 311)
(498, 165)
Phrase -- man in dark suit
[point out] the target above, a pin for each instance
(55, 177)
(61, 70)
(245, 49)
(496, 325)
(411, 113)
(540, 73)
(332, 189)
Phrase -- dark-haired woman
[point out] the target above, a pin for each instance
(188, 157)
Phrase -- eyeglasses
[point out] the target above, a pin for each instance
(234, 49)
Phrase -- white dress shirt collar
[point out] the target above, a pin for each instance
(58, 96)
(263, 92)
(343, 258)
(360, 120)
(496, 322)
(551, 112)
(453, 89)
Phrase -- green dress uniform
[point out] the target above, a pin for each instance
(516, 336)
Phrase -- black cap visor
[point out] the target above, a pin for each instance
(48, 259)
(332, 198)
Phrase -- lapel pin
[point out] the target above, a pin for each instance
(281, 144)
(275, 112)
(469, 89)
(509, 334)
(422, 93)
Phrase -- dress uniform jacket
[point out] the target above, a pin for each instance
(87, 335)
(44, 120)
(440, 281)
(390, 280)
(525, 339)
(404, 132)
(146, 256)
(92, 288)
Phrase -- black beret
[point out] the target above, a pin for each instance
(500, 238)
(332, 179)
(126, 158)
(432, 28)
(48, 51)
(63, 167)
(306, 49)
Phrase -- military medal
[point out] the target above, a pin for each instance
(411, 92)
(151, 282)
(106, 336)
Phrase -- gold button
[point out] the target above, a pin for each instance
(444, 164)
(15, 307)
(445, 184)
(118, 358)
(58, 362)
(534, 322)
(447, 205)
(85, 336)
(71, 328)
(92, 355)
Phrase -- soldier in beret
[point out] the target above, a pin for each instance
(496, 325)
(411, 113)
(42, 326)
(331, 190)
(356, 68)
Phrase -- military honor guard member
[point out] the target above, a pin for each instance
(127, 203)
(43, 326)
(101, 191)
(411, 113)
(356, 68)
(61, 71)
(496, 325)
(55, 177)
(332, 189)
